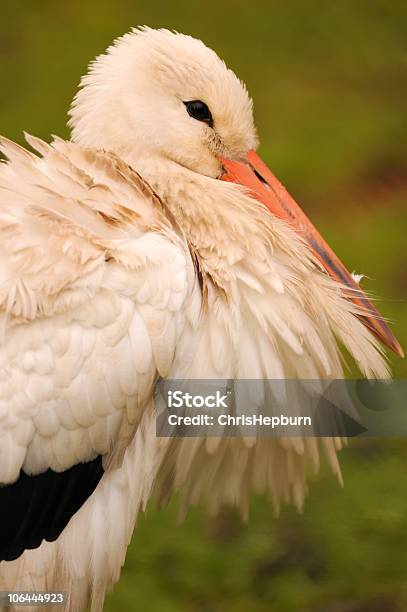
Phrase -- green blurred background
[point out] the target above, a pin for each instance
(329, 80)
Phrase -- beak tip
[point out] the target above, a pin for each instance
(399, 350)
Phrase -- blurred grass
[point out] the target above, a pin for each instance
(330, 90)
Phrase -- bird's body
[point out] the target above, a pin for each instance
(122, 264)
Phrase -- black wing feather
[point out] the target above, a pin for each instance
(39, 507)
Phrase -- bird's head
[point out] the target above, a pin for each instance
(159, 99)
(162, 94)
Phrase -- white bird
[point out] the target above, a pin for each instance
(124, 260)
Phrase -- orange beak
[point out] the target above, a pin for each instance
(256, 176)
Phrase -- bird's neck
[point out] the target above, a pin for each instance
(221, 224)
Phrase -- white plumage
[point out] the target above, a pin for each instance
(124, 259)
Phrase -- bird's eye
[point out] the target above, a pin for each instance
(199, 110)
